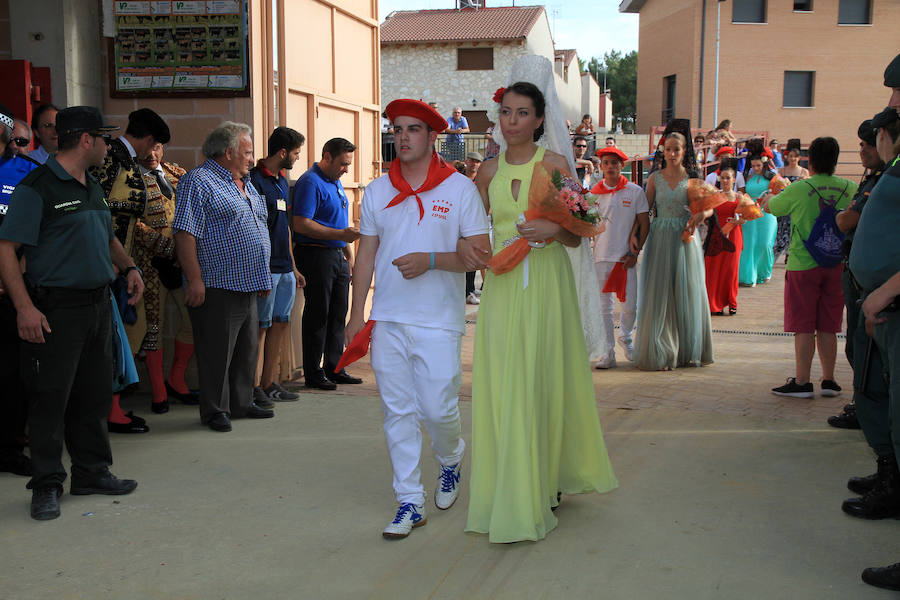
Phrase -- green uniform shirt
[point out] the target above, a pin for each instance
(64, 227)
(875, 256)
(802, 202)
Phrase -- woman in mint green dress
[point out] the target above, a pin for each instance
(758, 255)
(535, 428)
(673, 320)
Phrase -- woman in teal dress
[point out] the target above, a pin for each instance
(758, 255)
(673, 322)
(535, 428)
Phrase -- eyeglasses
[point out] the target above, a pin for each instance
(20, 141)
(581, 145)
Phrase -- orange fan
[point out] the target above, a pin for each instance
(747, 209)
(777, 184)
(701, 197)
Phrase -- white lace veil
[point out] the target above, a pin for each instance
(539, 71)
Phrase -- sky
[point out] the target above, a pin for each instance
(592, 27)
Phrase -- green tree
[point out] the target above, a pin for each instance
(619, 72)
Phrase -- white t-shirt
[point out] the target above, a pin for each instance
(713, 177)
(452, 210)
(619, 210)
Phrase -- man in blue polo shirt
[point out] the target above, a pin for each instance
(275, 309)
(321, 252)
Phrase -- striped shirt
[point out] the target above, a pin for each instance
(233, 245)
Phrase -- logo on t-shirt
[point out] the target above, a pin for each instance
(441, 208)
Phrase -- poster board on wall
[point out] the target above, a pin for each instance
(196, 48)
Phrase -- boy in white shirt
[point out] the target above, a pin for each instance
(411, 220)
(627, 216)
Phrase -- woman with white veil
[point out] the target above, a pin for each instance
(535, 429)
(539, 71)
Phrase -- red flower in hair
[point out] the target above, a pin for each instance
(498, 95)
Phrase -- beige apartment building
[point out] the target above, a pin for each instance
(796, 68)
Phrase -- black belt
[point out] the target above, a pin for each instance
(68, 296)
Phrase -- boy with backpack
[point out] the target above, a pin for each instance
(813, 296)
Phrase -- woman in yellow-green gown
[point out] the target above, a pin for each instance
(535, 428)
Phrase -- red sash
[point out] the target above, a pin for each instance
(617, 281)
(601, 188)
(438, 171)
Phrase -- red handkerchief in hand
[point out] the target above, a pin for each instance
(616, 282)
(357, 348)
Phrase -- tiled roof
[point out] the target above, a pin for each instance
(565, 56)
(452, 25)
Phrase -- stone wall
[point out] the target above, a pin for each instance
(430, 74)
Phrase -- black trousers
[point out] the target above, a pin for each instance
(13, 403)
(226, 340)
(327, 294)
(68, 380)
(470, 282)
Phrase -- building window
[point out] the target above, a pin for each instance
(748, 11)
(668, 111)
(798, 89)
(855, 12)
(803, 5)
(474, 59)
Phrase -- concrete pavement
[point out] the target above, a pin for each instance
(726, 491)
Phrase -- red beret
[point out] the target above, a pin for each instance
(725, 150)
(612, 150)
(418, 110)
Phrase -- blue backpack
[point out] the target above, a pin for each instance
(825, 239)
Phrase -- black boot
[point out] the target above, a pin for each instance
(883, 577)
(882, 501)
(864, 485)
(845, 420)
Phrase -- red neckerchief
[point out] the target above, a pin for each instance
(438, 171)
(601, 188)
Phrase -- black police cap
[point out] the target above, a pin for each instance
(884, 118)
(82, 118)
(892, 73)
(866, 133)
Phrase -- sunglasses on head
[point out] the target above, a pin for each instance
(20, 141)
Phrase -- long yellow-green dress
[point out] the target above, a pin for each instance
(535, 428)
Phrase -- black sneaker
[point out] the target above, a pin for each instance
(794, 389)
(830, 388)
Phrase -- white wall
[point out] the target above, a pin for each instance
(69, 43)
(570, 93)
(539, 40)
(590, 97)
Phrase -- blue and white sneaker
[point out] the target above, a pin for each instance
(408, 516)
(448, 487)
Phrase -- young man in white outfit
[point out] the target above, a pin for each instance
(627, 218)
(411, 221)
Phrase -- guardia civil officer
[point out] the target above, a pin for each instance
(59, 215)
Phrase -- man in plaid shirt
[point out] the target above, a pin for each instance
(223, 246)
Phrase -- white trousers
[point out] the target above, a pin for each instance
(418, 371)
(627, 308)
